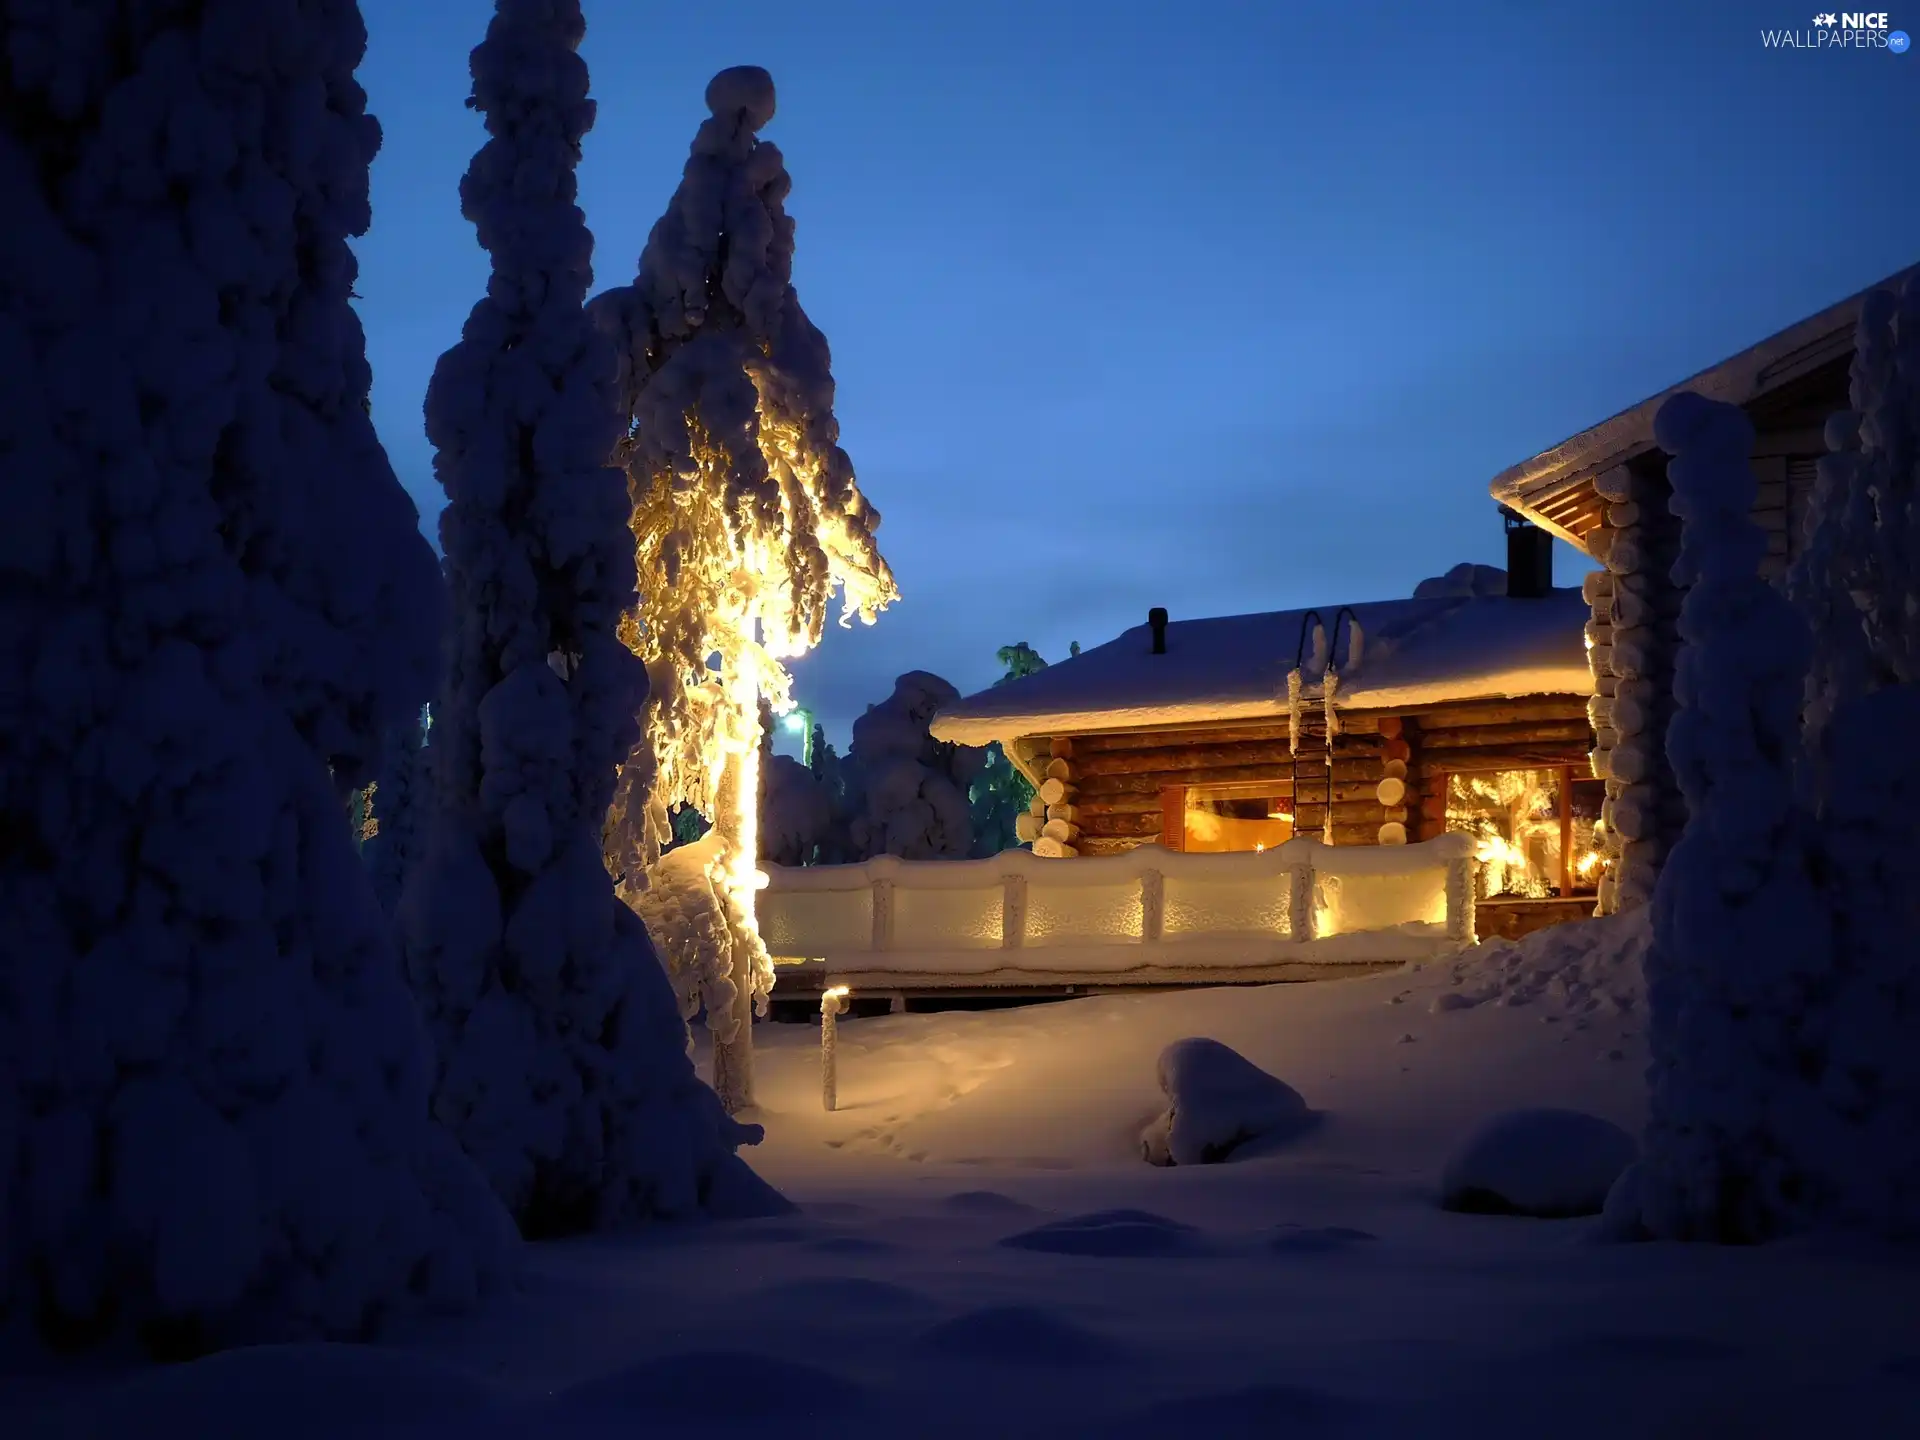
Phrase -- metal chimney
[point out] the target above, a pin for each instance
(1157, 618)
(1529, 557)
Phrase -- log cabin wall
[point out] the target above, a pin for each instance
(1636, 605)
(1123, 782)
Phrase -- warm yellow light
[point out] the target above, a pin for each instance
(1258, 848)
(835, 992)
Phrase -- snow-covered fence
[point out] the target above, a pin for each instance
(1148, 916)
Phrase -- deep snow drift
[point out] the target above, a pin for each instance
(982, 1251)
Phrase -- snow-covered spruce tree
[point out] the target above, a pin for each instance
(562, 1062)
(1739, 1134)
(397, 832)
(910, 796)
(1858, 576)
(213, 596)
(796, 812)
(746, 517)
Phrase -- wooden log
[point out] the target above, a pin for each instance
(1392, 833)
(1037, 806)
(1111, 845)
(1152, 783)
(1085, 808)
(1511, 757)
(1391, 726)
(1026, 828)
(1061, 747)
(1396, 812)
(1391, 791)
(1209, 757)
(1060, 830)
(1053, 849)
(1241, 732)
(1066, 813)
(1533, 732)
(1399, 748)
(1028, 748)
(1140, 827)
(1307, 814)
(1055, 791)
(1394, 770)
(1059, 770)
(1499, 712)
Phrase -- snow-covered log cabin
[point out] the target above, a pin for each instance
(1606, 490)
(1462, 708)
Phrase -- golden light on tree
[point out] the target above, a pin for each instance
(746, 519)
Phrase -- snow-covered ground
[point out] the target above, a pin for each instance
(954, 1270)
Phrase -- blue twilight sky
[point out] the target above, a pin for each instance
(1218, 306)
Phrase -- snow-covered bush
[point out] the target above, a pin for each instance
(909, 795)
(1741, 941)
(1550, 1164)
(399, 798)
(745, 510)
(562, 1063)
(796, 813)
(215, 596)
(1217, 1101)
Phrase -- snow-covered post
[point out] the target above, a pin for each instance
(1459, 883)
(562, 1066)
(213, 1083)
(1740, 944)
(833, 1004)
(745, 513)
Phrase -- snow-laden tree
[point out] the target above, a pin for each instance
(796, 813)
(396, 830)
(1858, 575)
(562, 1059)
(1740, 1134)
(213, 598)
(746, 518)
(910, 792)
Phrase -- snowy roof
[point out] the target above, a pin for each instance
(1413, 652)
(1553, 488)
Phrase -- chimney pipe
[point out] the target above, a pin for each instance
(1529, 557)
(1157, 618)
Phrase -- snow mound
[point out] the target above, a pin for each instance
(1589, 967)
(1217, 1100)
(1109, 1235)
(1545, 1163)
(1465, 581)
(1019, 1335)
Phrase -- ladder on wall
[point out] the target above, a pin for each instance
(1314, 725)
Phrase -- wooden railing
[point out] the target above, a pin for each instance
(1144, 916)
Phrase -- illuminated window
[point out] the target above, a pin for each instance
(1515, 815)
(1218, 821)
